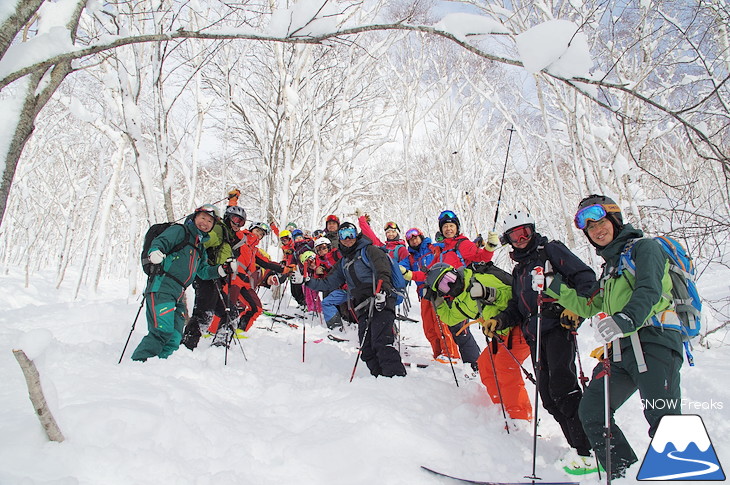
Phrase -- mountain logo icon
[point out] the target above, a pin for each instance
(681, 450)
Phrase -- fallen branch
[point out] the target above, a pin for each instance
(35, 392)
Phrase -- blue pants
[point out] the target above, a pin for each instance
(330, 302)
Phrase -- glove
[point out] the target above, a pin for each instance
(486, 293)
(273, 280)
(297, 278)
(234, 194)
(489, 327)
(609, 329)
(407, 273)
(229, 267)
(288, 269)
(570, 320)
(479, 241)
(379, 301)
(156, 256)
(538, 279)
(319, 270)
(492, 241)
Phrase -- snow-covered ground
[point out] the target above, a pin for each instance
(271, 419)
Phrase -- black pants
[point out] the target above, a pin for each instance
(206, 302)
(378, 348)
(298, 293)
(559, 389)
(468, 347)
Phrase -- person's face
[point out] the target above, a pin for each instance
(258, 232)
(600, 231)
(285, 240)
(322, 249)
(332, 226)
(299, 238)
(415, 241)
(391, 234)
(348, 243)
(449, 230)
(204, 221)
(311, 263)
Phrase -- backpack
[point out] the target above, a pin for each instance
(489, 267)
(154, 231)
(455, 249)
(685, 297)
(396, 276)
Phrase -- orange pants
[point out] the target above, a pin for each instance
(248, 305)
(437, 332)
(514, 395)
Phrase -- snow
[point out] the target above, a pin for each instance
(269, 420)
(462, 25)
(557, 46)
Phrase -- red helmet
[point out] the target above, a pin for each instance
(332, 217)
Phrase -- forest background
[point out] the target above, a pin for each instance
(119, 114)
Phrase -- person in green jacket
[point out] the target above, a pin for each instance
(478, 292)
(645, 356)
(165, 291)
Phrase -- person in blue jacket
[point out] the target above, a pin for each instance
(371, 299)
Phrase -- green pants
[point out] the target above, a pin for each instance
(165, 323)
(659, 391)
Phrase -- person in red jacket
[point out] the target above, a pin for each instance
(396, 247)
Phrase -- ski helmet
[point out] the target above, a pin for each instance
(443, 279)
(322, 240)
(234, 210)
(259, 225)
(413, 232)
(391, 225)
(347, 230)
(306, 255)
(297, 233)
(446, 217)
(332, 218)
(284, 234)
(209, 209)
(610, 210)
(317, 233)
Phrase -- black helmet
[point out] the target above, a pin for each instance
(437, 273)
(613, 211)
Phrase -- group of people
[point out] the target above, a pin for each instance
(534, 311)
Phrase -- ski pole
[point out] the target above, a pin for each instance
(443, 341)
(501, 184)
(496, 381)
(538, 285)
(231, 323)
(526, 372)
(371, 310)
(581, 376)
(139, 310)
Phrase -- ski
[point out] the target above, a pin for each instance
(336, 339)
(279, 315)
(285, 322)
(405, 319)
(415, 364)
(478, 482)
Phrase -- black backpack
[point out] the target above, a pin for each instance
(154, 231)
(490, 268)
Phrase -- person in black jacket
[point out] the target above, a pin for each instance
(558, 381)
(371, 298)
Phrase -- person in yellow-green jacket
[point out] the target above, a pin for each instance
(479, 292)
(180, 256)
(645, 356)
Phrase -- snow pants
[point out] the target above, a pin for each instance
(248, 306)
(206, 302)
(437, 333)
(509, 375)
(165, 322)
(558, 384)
(378, 345)
(468, 347)
(331, 302)
(659, 383)
(297, 292)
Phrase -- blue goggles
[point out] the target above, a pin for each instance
(447, 215)
(347, 233)
(594, 213)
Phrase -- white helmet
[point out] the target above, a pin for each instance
(516, 219)
(322, 240)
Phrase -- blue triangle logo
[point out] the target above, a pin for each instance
(681, 450)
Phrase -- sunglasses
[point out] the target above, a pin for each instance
(519, 234)
(238, 220)
(591, 213)
(411, 233)
(347, 233)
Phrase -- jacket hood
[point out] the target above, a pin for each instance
(613, 249)
(519, 255)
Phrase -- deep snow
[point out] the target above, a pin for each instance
(271, 419)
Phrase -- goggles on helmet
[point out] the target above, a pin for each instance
(594, 212)
(446, 215)
(519, 234)
(391, 225)
(347, 233)
(411, 233)
(444, 284)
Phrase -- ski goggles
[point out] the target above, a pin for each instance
(391, 225)
(446, 281)
(447, 215)
(238, 220)
(285, 239)
(411, 233)
(519, 234)
(594, 213)
(347, 233)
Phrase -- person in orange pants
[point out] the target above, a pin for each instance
(511, 385)
(438, 334)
